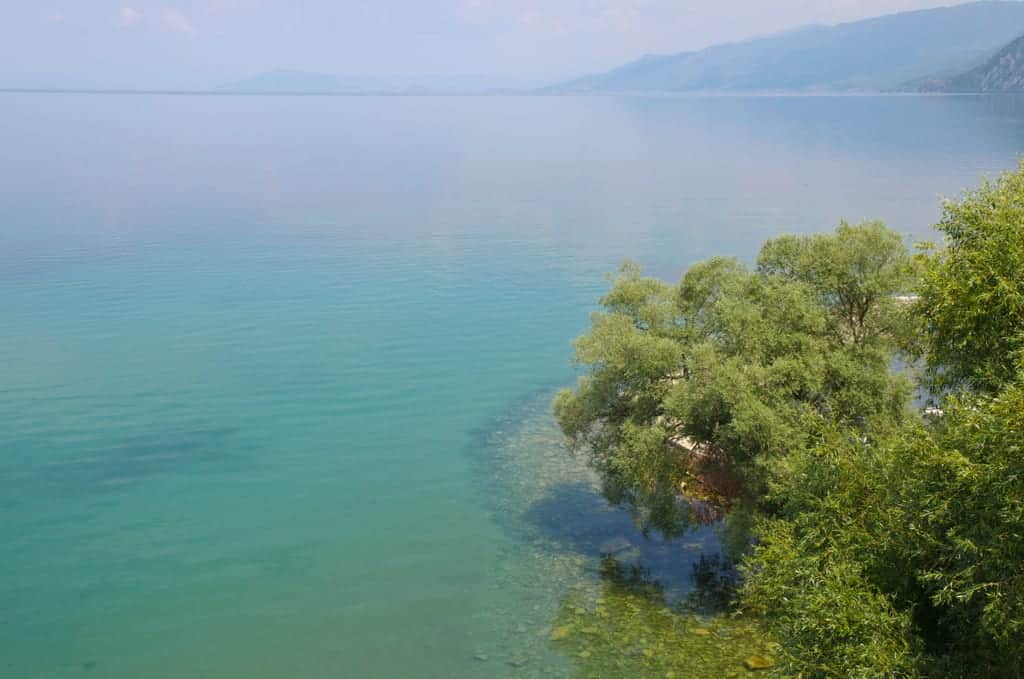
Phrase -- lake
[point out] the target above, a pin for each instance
(275, 372)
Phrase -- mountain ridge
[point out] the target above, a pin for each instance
(1003, 73)
(877, 54)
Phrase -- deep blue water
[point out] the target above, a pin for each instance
(274, 371)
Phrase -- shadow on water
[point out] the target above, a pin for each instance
(551, 502)
(622, 603)
(574, 516)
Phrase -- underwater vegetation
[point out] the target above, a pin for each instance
(624, 627)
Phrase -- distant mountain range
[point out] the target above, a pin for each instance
(923, 49)
(1004, 72)
(974, 47)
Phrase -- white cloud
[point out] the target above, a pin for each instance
(55, 17)
(128, 17)
(173, 20)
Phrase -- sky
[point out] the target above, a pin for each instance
(204, 43)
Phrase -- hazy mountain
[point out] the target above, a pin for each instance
(302, 82)
(1004, 72)
(882, 53)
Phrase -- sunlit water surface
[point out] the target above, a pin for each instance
(275, 372)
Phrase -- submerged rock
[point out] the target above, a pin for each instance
(561, 633)
(758, 662)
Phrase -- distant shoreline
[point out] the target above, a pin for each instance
(501, 93)
(250, 93)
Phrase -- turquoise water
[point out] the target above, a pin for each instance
(274, 372)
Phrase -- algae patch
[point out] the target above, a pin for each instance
(633, 633)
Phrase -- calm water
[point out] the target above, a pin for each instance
(274, 372)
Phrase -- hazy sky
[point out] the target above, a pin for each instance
(204, 42)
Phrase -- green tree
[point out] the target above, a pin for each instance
(901, 556)
(971, 303)
(903, 553)
(887, 543)
(854, 272)
(832, 620)
(725, 374)
(961, 488)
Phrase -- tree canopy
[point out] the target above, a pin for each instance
(741, 365)
(884, 541)
(972, 292)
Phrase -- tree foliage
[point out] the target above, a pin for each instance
(740, 363)
(880, 541)
(853, 272)
(961, 488)
(972, 294)
(833, 620)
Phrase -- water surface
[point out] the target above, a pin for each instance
(274, 371)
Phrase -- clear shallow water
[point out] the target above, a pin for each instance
(274, 372)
